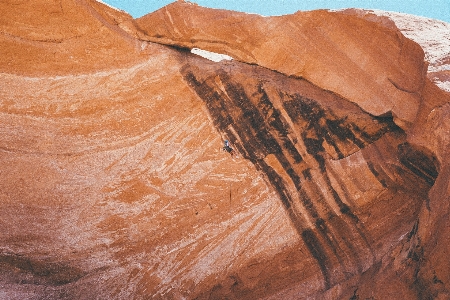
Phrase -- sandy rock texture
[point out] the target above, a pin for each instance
(114, 184)
(328, 49)
(432, 35)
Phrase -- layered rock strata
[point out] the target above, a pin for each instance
(113, 182)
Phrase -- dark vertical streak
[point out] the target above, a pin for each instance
(317, 251)
(257, 129)
(376, 173)
(424, 166)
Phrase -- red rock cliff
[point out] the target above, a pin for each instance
(363, 62)
(113, 181)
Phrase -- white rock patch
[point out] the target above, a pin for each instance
(216, 57)
(110, 6)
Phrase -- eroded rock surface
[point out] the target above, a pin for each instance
(432, 35)
(65, 37)
(114, 185)
(330, 50)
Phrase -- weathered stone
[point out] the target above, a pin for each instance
(114, 184)
(365, 63)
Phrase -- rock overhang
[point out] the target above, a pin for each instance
(369, 64)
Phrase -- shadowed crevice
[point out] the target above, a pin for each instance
(422, 164)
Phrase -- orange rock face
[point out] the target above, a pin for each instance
(64, 37)
(114, 183)
(344, 54)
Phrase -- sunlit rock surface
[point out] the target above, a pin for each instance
(432, 35)
(328, 49)
(114, 184)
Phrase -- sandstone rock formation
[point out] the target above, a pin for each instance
(328, 49)
(114, 185)
(432, 35)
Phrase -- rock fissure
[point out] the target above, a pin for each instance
(397, 86)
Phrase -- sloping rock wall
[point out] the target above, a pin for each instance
(432, 35)
(64, 37)
(114, 184)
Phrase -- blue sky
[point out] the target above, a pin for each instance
(436, 9)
